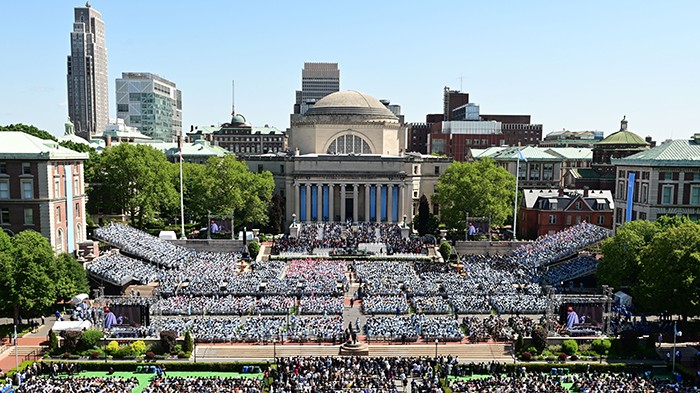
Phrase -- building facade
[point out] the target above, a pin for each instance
(42, 189)
(567, 138)
(87, 78)
(539, 167)
(546, 211)
(347, 162)
(317, 81)
(240, 138)
(151, 104)
(463, 127)
(620, 144)
(666, 182)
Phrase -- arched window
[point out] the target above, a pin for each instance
(78, 233)
(349, 144)
(59, 240)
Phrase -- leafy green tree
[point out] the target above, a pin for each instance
(7, 276)
(479, 188)
(196, 185)
(621, 263)
(445, 250)
(70, 277)
(253, 249)
(670, 277)
(53, 342)
(79, 147)
(423, 215)
(188, 344)
(275, 215)
(135, 179)
(89, 339)
(230, 187)
(28, 129)
(33, 288)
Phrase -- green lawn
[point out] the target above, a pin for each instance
(145, 379)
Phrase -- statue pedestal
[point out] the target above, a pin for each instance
(294, 230)
(405, 232)
(357, 349)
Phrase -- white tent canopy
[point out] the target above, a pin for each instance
(60, 326)
(623, 299)
(77, 299)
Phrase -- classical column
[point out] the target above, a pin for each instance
(308, 201)
(390, 203)
(378, 202)
(355, 204)
(319, 202)
(402, 202)
(367, 201)
(342, 202)
(331, 200)
(297, 201)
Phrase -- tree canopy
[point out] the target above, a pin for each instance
(139, 181)
(33, 277)
(135, 179)
(658, 262)
(224, 185)
(28, 129)
(479, 188)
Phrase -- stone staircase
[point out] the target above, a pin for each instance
(24, 350)
(466, 352)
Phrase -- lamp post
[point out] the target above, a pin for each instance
(436, 347)
(676, 334)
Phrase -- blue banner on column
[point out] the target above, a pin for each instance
(314, 203)
(630, 196)
(302, 203)
(325, 203)
(383, 202)
(372, 203)
(395, 203)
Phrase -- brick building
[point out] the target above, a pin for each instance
(242, 139)
(462, 127)
(42, 189)
(544, 212)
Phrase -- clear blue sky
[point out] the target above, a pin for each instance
(573, 65)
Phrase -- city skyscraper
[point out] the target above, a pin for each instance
(88, 96)
(317, 81)
(150, 103)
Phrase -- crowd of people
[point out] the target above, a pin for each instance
(325, 305)
(209, 284)
(204, 305)
(497, 328)
(551, 248)
(565, 271)
(410, 328)
(327, 329)
(120, 269)
(385, 304)
(38, 384)
(313, 237)
(353, 374)
(204, 384)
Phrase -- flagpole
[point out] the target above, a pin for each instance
(16, 352)
(182, 203)
(515, 205)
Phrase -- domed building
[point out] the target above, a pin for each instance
(620, 144)
(348, 161)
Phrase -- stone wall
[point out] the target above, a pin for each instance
(214, 245)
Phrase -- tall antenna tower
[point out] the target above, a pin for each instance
(233, 98)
